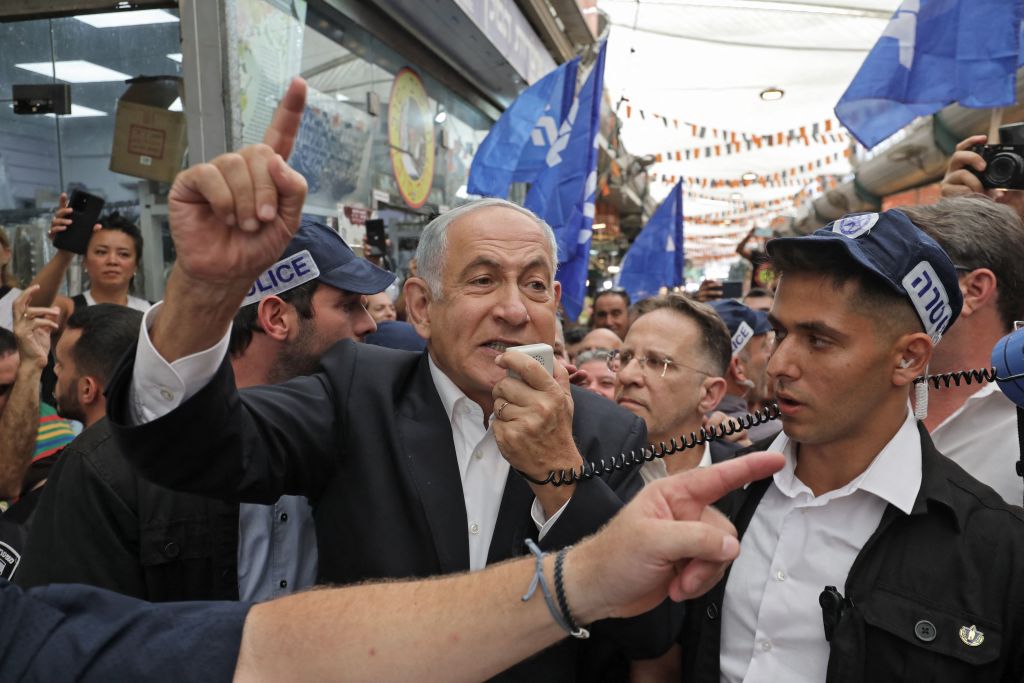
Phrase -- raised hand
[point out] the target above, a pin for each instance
(959, 180)
(232, 217)
(33, 327)
(62, 217)
(533, 424)
(667, 538)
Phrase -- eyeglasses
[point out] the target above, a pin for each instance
(618, 360)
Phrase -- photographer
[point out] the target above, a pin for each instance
(961, 181)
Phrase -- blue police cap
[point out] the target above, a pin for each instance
(317, 252)
(743, 322)
(900, 255)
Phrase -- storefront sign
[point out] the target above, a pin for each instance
(411, 137)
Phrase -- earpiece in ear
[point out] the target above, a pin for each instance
(905, 363)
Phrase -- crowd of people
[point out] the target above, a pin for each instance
(275, 424)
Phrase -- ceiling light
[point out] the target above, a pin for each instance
(441, 117)
(133, 18)
(614, 269)
(74, 71)
(341, 97)
(749, 176)
(598, 226)
(78, 111)
(771, 94)
(175, 56)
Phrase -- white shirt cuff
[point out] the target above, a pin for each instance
(537, 512)
(158, 387)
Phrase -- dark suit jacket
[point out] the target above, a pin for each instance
(368, 441)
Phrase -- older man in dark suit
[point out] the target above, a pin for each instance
(382, 442)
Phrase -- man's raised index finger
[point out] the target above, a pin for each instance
(284, 128)
(707, 484)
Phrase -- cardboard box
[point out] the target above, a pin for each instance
(149, 139)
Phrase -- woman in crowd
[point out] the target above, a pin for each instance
(110, 261)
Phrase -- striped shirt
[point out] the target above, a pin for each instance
(54, 432)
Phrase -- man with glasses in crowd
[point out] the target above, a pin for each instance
(670, 372)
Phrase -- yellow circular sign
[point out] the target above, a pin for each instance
(411, 137)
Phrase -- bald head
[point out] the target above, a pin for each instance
(600, 338)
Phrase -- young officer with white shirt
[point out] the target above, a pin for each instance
(869, 556)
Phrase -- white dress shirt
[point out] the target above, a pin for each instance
(795, 545)
(981, 437)
(133, 301)
(159, 387)
(653, 470)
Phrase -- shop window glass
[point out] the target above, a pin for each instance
(40, 156)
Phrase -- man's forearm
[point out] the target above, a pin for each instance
(195, 315)
(460, 628)
(19, 425)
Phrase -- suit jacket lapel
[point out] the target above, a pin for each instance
(428, 455)
(514, 523)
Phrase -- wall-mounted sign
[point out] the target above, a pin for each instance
(411, 137)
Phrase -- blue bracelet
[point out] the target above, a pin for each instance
(539, 580)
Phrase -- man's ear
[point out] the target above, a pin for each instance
(737, 370)
(912, 353)
(417, 305)
(712, 393)
(89, 390)
(276, 317)
(979, 288)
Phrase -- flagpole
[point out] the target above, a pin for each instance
(995, 120)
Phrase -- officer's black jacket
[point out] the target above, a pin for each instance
(99, 523)
(956, 561)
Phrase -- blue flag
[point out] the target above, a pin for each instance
(563, 193)
(655, 259)
(517, 143)
(931, 54)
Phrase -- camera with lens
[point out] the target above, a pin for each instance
(1004, 163)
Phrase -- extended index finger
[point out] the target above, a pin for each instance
(284, 128)
(705, 485)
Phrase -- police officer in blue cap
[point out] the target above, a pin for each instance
(747, 375)
(869, 556)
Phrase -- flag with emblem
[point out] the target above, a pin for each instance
(517, 144)
(933, 53)
(564, 192)
(655, 259)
